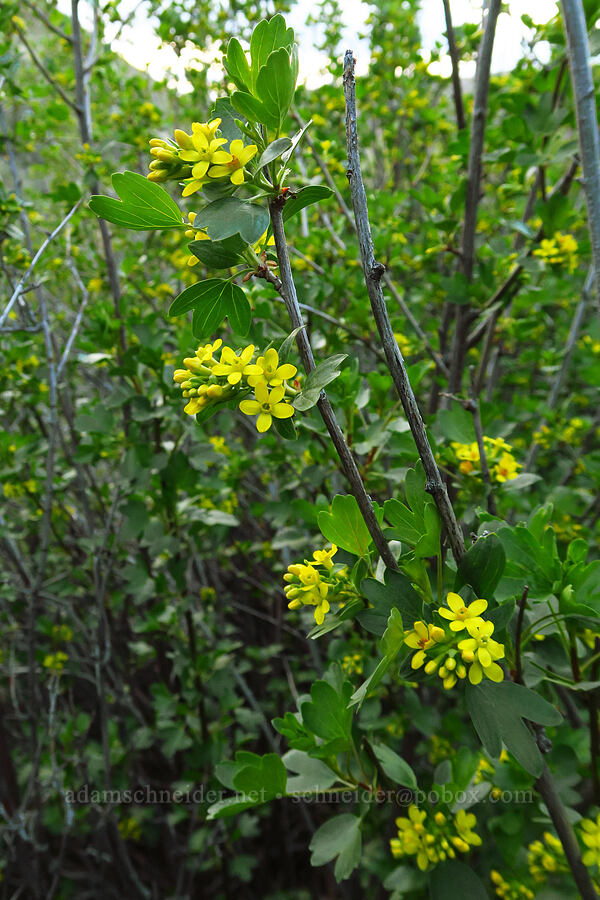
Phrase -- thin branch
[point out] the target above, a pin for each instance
(44, 18)
(40, 65)
(473, 189)
(569, 349)
(331, 319)
(472, 405)
(288, 291)
(578, 50)
(453, 51)
(434, 355)
(558, 814)
(519, 632)
(18, 290)
(373, 272)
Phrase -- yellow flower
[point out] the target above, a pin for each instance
(591, 838)
(506, 468)
(195, 235)
(235, 366)
(204, 153)
(324, 557)
(233, 166)
(421, 638)
(464, 822)
(270, 371)
(267, 405)
(459, 614)
(481, 650)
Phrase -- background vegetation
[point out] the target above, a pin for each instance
(145, 632)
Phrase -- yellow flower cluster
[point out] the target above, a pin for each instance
(442, 652)
(199, 157)
(316, 582)
(502, 464)
(352, 664)
(205, 381)
(590, 835)
(510, 890)
(434, 838)
(546, 857)
(559, 250)
(55, 662)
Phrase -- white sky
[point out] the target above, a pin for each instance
(140, 47)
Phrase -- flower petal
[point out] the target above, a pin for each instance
(263, 423)
(238, 177)
(455, 601)
(250, 407)
(286, 371)
(282, 410)
(200, 169)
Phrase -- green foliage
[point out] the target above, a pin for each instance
(145, 637)
(142, 205)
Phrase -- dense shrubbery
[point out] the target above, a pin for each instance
(225, 643)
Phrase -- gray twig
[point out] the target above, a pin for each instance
(578, 50)
(373, 272)
(569, 348)
(453, 51)
(480, 103)
(18, 290)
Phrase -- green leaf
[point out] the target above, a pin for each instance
(395, 767)
(453, 879)
(223, 110)
(339, 837)
(497, 712)
(143, 206)
(269, 35)
(286, 428)
(286, 347)
(274, 151)
(345, 526)
(267, 779)
(296, 733)
(230, 806)
(403, 520)
(528, 562)
(313, 774)
(194, 296)
(482, 566)
(326, 714)
(315, 381)
(391, 644)
(306, 196)
(239, 311)
(295, 141)
(275, 85)
(429, 543)
(416, 495)
(396, 592)
(456, 424)
(237, 67)
(219, 254)
(252, 109)
(229, 216)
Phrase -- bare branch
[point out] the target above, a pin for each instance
(587, 123)
(453, 51)
(44, 18)
(18, 290)
(373, 272)
(480, 103)
(40, 65)
(288, 292)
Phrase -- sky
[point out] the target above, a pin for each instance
(140, 47)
